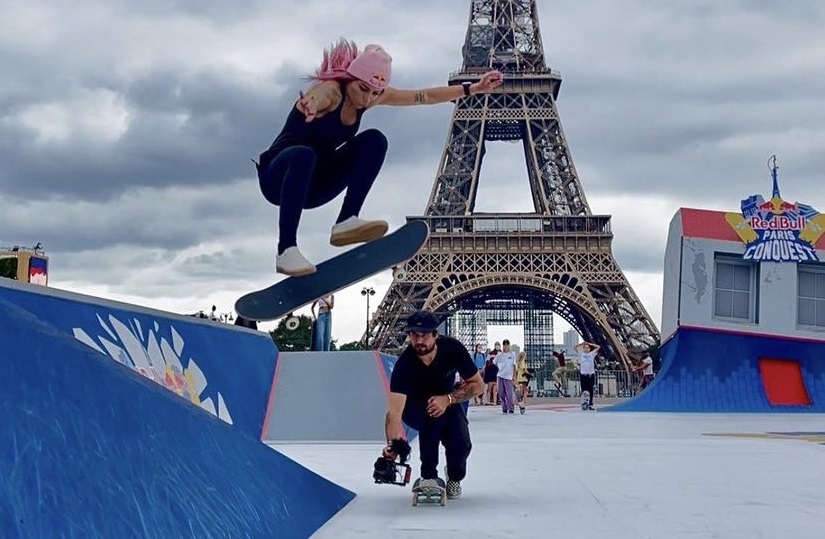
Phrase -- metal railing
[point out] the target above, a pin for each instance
(609, 383)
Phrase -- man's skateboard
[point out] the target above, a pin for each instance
(429, 495)
(586, 400)
(334, 274)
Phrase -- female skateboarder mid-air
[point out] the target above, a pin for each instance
(320, 153)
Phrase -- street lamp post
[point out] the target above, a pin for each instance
(367, 291)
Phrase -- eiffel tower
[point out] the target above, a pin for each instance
(557, 258)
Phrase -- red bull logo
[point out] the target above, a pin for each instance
(781, 222)
(775, 230)
(788, 207)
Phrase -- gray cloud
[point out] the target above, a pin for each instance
(126, 128)
(693, 94)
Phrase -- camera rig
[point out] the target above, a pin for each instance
(391, 471)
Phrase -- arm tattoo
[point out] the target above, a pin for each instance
(463, 393)
(420, 97)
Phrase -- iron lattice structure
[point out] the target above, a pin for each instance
(560, 254)
(471, 315)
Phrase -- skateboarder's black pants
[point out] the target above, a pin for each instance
(588, 382)
(451, 430)
(301, 178)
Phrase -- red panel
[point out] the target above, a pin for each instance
(707, 224)
(711, 225)
(783, 383)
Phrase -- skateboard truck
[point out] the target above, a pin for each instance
(391, 471)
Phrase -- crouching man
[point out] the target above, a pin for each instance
(424, 395)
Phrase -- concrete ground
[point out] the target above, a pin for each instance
(560, 472)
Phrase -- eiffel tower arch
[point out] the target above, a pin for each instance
(557, 258)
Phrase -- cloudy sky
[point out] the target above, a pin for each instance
(126, 128)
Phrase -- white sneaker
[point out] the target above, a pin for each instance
(355, 230)
(292, 262)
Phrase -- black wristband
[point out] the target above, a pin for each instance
(466, 86)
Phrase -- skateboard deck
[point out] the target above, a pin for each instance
(429, 496)
(334, 274)
(585, 400)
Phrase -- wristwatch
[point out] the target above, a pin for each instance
(466, 86)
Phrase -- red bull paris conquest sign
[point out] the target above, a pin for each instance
(775, 230)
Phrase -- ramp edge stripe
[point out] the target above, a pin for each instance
(271, 402)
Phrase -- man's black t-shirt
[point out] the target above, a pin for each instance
(419, 382)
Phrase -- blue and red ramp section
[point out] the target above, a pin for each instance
(710, 370)
(125, 422)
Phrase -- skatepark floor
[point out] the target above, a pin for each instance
(557, 471)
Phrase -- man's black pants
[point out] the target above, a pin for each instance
(451, 429)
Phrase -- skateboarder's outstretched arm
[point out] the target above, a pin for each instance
(441, 94)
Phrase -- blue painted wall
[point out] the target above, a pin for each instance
(712, 371)
(91, 449)
(226, 370)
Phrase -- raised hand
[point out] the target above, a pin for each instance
(490, 80)
(307, 105)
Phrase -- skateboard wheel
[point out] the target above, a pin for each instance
(399, 274)
(292, 323)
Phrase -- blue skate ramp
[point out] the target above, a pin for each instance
(716, 371)
(92, 449)
(224, 369)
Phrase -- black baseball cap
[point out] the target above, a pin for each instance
(422, 322)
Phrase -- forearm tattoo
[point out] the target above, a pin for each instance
(463, 393)
(420, 97)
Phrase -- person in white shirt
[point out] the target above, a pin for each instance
(506, 363)
(587, 367)
(646, 366)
